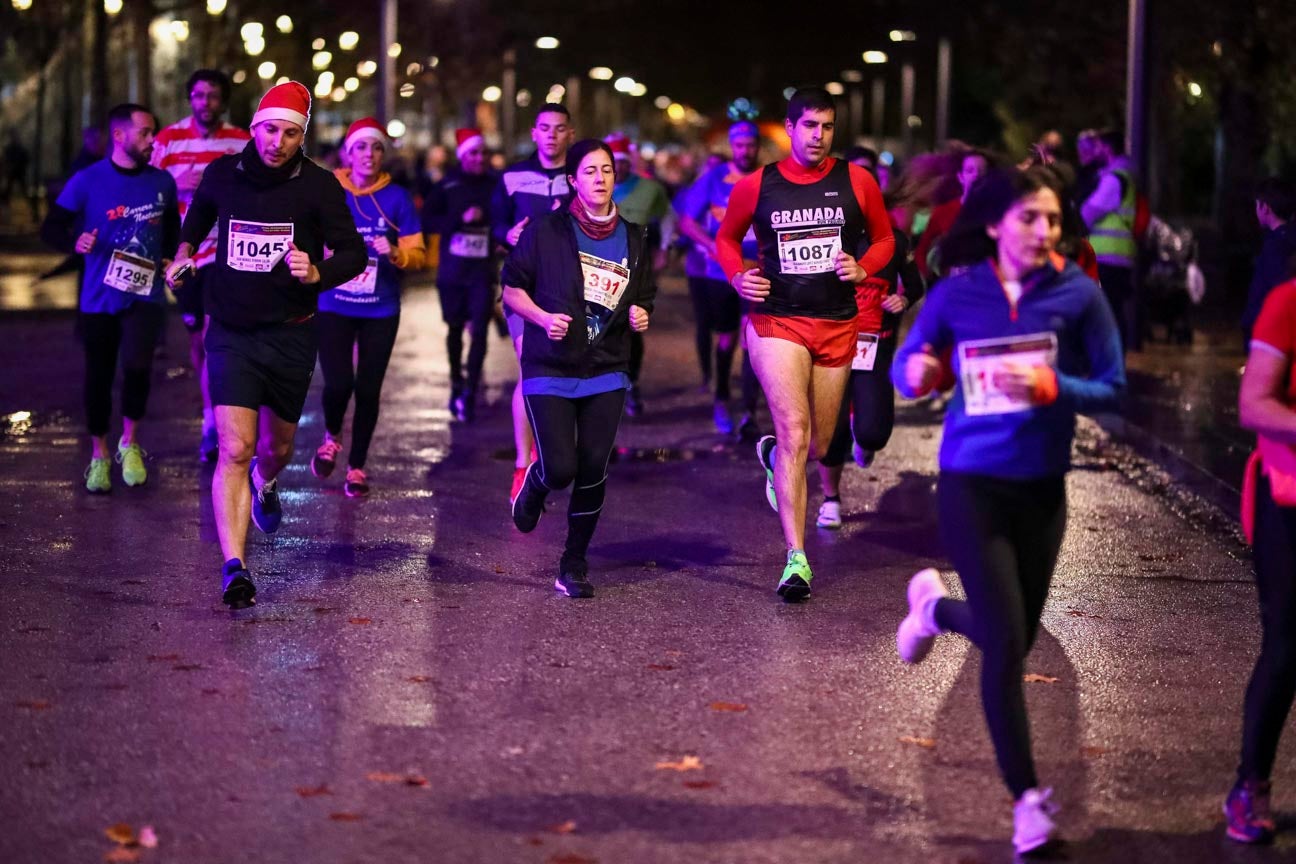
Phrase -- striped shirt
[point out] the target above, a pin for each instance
(181, 148)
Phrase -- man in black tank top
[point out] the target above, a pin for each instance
(821, 228)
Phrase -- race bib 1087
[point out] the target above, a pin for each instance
(809, 250)
(256, 247)
(980, 360)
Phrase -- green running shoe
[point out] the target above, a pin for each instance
(98, 476)
(765, 453)
(795, 584)
(132, 462)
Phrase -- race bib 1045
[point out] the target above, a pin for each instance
(605, 281)
(981, 359)
(256, 247)
(809, 250)
(130, 273)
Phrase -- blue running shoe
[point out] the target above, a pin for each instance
(267, 513)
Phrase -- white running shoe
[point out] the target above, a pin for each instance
(919, 630)
(1033, 826)
(829, 515)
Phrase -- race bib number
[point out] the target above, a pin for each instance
(605, 281)
(469, 245)
(256, 247)
(809, 250)
(981, 359)
(866, 348)
(130, 273)
(366, 282)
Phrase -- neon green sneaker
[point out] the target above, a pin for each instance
(795, 584)
(98, 476)
(132, 461)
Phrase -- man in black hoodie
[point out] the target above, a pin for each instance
(1276, 263)
(276, 212)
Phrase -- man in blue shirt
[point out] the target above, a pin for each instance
(121, 215)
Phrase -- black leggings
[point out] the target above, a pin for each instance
(716, 309)
(1273, 683)
(133, 335)
(871, 404)
(471, 306)
(1003, 538)
(370, 341)
(574, 439)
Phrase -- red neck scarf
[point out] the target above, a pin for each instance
(597, 227)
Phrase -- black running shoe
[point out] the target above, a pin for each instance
(267, 513)
(238, 592)
(573, 578)
(528, 506)
(747, 428)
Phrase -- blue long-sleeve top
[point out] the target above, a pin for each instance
(1090, 370)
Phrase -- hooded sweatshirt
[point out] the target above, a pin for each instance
(379, 210)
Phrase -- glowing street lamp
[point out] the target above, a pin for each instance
(395, 128)
(393, 50)
(215, 7)
(624, 84)
(252, 30)
(349, 40)
(492, 94)
(601, 73)
(351, 84)
(321, 60)
(903, 36)
(873, 58)
(180, 30)
(366, 68)
(112, 7)
(254, 47)
(662, 102)
(22, 5)
(338, 94)
(546, 43)
(676, 112)
(284, 24)
(266, 70)
(835, 88)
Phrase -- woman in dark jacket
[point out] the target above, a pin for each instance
(582, 263)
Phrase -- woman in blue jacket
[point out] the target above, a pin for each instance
(1033, 342)
(580, 277)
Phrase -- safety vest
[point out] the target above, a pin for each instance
(1112, 236)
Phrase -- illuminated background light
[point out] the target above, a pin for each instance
(601, 73)
(492, 94)
(349, 40)
(546, 43)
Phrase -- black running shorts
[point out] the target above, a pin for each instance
(269, 365)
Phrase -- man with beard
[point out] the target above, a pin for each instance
(185, 149)
(120, 215)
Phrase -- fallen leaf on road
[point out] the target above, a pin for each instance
(385, 777)
(323, 610)
(1033, 678)
(148, 837)
(571, 859)
(33, 704)
(928, 743)
(345, 817)
(415, 780)
(699, 784)
(210, 691)
(120, 833)
(660, 667)
(1094, 751)
(688, 763)
(728, 706)
(187, 667)
(360, 620)
(419, 679)
(122, 855)
(562, 827)
(314, 791)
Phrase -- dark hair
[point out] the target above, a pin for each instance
(124, 114)
(809, 99)
(552, 108)
(979, 154)
(1114, 139)
(857, 152)
(583, 148)
(214, 77)
(1279, 196)
(990, 199)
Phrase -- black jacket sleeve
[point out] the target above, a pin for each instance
(337, 227)
(501, 214)
(201, 215)
(914, 284)
(435, 210)
(170, 230)
(646, 293)
(520, 266)
(59, 230)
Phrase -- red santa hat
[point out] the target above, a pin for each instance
(289, 101)
(619, 144)
(365, 127)
(466, 138)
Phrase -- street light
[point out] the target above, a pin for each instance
(215, 7)
(676, 112)
(366, 68)
(395, 129)
(601, 73)
(639, 89)
(251, 30)
(406, 90)
(873, 58)
(555, 94)
(624, 84)
(349, 40)
(903, 36)
(492, 94)
(284, 24)
(321, 60)
(393, 50)
(338, 94)
(318, 44)
(22, 5)
(266, 70)
(662, 102)
(852, 76)
(254, 47)
(835, 88)
(180, 30)
(546, 43)
(112, 7)
(351, 84)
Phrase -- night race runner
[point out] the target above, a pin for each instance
(1034, 342)
(641, 201)
(813, 216)
(582, 279)
(527, 190)
(185, 149)
(458, 210)
(358, 320)
(716, 307)
(867, 415)
(121, 215)
(275, 211)
(1265, 406)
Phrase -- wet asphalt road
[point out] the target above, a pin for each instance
(410, 688)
